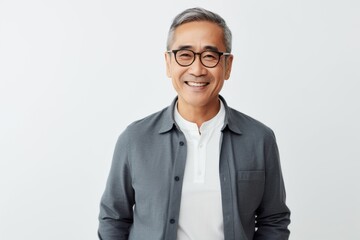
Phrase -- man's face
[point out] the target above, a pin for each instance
(196, 85)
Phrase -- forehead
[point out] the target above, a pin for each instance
(199, 34)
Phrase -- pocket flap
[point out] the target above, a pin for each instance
(250, 176)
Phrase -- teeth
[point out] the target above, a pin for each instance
(197, 84)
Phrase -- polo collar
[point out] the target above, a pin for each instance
(168, 122)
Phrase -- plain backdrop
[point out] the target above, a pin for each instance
(75, 73)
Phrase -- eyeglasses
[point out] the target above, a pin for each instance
(208, 58)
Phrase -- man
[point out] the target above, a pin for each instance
(198, 169)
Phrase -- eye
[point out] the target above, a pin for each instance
(184, 54)
(209, 56)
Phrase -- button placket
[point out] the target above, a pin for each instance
(200, 146)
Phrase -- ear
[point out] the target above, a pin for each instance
(168, 64)
(228, 65)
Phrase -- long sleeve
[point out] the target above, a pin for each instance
(116, 207)
(273, 216)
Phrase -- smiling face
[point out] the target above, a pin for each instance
(197, 86)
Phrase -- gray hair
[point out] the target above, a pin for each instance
(200, 14)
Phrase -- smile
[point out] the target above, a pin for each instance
(197, 84)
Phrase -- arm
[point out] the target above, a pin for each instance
(272, 216)
(116, 207)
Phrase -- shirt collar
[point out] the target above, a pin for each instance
(230, 121)
(168, 122)
(185, 125)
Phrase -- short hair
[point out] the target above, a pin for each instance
(200, 14)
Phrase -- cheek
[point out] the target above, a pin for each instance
(219, 75)
(223, 73)
(176, 78)
(177, 72)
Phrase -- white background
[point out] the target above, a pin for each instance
(75, 73)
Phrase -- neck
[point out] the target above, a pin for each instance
(198, 114)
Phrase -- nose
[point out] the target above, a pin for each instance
(197, 68)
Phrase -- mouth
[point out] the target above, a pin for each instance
(196, 84)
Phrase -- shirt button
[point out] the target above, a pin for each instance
(176, 178)
(181, 143)
(172, 221)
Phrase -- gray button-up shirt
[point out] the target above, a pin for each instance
(143, 192)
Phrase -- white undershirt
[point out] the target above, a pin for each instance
(201, 208)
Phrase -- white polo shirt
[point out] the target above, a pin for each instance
(201, 208)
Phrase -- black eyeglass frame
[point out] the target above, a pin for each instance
(198, 53)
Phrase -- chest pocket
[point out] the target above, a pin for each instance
(250, 188)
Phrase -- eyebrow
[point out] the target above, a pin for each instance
(211, 48)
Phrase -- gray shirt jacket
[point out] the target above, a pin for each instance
(143, 191)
